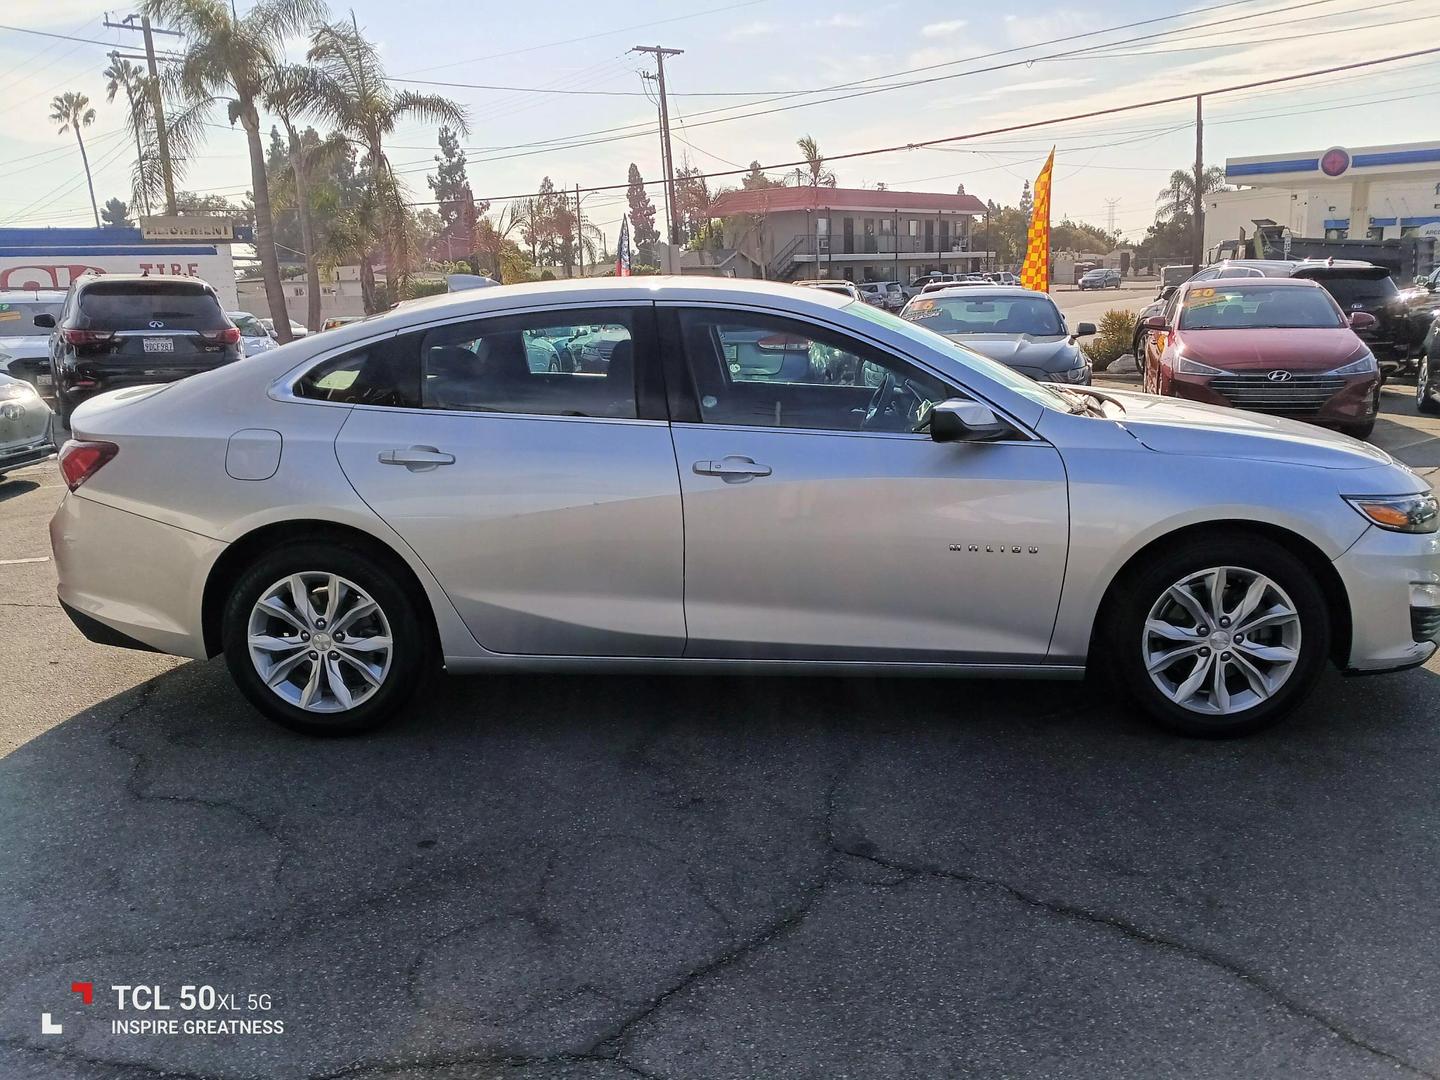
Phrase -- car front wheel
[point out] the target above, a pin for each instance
(1426, 389)
(323, 639)
(1218, 638)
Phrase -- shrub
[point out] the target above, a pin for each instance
(1112, 340)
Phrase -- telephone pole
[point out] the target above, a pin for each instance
(659, 52)
(157, 100)
(1110, 215)
(579, 233)
(1197, 223)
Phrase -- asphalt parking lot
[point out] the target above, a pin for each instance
(604, 877)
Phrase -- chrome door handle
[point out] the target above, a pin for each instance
(417, 458)
(732, 469)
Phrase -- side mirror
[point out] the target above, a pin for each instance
(1154, 322)
(45, 319)
(957, 420)
(1085, 329)
(1168, 291)
(1362, 320)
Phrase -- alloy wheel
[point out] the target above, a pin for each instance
(319, 642)
(1221, 641)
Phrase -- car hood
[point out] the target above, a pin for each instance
(1177, 426)
(1023, 351)
(1269, 350)
(27, 345)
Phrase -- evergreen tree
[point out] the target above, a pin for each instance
(115, 215)
(642, 217)
(1027, 201)
(456, 202)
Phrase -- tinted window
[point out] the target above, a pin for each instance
(381, 373)
(960, 314)
(18, 319)
(1250, 307)
(249, 326)
(575, 364)
(1357, 290)
(131, 305)
(761, 370)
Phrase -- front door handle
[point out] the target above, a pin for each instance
(732, 469)
(417, 458)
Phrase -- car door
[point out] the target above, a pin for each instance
(545, 502)
(820, 526)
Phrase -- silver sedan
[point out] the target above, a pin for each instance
(26, 425)
(756, 478)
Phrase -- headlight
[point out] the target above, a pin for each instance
(1070, 375)
(1364, 366)
(17, 391)
(1399, 513)
(1187, 366)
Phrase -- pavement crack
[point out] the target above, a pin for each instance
(1151, 938)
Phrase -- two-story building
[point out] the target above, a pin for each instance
(861, 234)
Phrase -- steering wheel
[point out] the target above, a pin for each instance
(885, 397)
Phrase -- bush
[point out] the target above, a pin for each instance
(1112, 340)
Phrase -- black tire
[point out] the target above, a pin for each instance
(1122, 637)
(411, 650)
(1426, 389)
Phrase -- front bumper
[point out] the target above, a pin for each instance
(142, 579)
(12, 457)
(1378, 571)
(1319, 398)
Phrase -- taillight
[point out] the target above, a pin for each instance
(229, 336)
(80, 460)
(88, 337)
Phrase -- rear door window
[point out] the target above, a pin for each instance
(1358, 291)
(137, 305)
(18, 319)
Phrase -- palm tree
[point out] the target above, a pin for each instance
(1177, 198)
(356, 99)
(291, 92)
(351, 234)
(123, 75)
(491, 234)
(228, 58)
(814, 173)
(71, 110)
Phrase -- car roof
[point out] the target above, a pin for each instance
(1267, 282)
(32, 296)
(992, 291)
(1286, 267)
(86, 281)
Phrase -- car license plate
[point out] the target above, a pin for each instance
(159, 344)
(43, 382)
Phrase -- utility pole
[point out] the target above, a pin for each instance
(659, 52)
(579, 233)
(1197, 222)
(1110, 215)
(157, 100)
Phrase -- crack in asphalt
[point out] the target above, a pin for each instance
(1138, 933)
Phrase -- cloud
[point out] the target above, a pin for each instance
(843, 20)
(943, 29)
(758, 28)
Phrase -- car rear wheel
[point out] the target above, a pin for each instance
(323, 639)
(1218, 638)
(1425, 389)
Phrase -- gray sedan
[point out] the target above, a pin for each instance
(26, 425)
(1020, 328)
(754, 477)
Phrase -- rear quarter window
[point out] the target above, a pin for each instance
(134, 305)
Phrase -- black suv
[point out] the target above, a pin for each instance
(124, 330)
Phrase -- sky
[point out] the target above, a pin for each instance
(756, 75)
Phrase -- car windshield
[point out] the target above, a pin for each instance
(971, 361)
(947, 313)
(1257, 307)
(1367, 291)
(18, 319)
(249, 325)
(134, 305)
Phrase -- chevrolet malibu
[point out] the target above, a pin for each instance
(858, 495)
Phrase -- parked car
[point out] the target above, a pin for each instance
(1175, 275)
(963, 282)
(254, 338)
(337, 321)
(129, 329)
(1023, 330)
(26, 425)
(1100, 278)
(1427, 377)
(24, 347)
(873, 292)
(297, 330)
(339, 516)
(1275, 345)
(834, 285)
(1002, 277)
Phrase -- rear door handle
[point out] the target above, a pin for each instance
(417, 458)
(732, 469)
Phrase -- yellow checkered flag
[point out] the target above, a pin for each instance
(1035, 273)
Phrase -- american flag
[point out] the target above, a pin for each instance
(622, 250)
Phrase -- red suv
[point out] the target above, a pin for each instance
(1274, 345)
